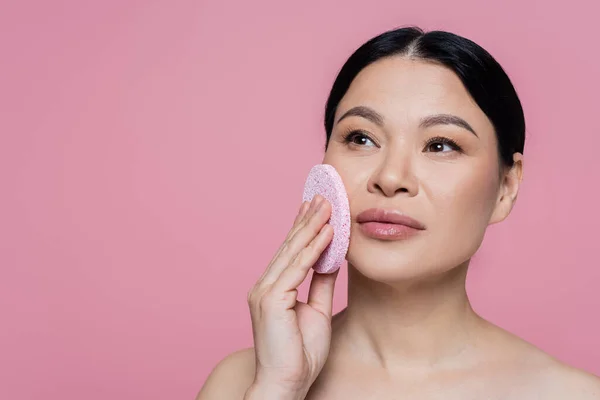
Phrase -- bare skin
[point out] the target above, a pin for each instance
(408, 331)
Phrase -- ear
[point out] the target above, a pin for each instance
(509, 189)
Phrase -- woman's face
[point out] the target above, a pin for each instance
(392, 160)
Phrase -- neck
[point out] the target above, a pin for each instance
(410, 324)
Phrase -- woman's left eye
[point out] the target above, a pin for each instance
(437, 144)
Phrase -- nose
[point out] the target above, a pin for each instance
(395, 174)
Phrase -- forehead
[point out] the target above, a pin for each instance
(406, 89)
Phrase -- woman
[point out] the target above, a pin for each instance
(429, 126)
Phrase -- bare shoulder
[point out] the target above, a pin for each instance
(563, 381)
(539, 375)
(230, 378)
(553, 379)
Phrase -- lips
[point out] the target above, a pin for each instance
(388, 224)
(388, 216)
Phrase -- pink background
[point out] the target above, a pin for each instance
(152, 157)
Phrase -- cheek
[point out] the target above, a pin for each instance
(468, 199)
(460, 211)
(463, 208)
(354, 173)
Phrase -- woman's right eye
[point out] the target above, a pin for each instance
(358, 138)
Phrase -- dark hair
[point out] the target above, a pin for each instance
(480, 73)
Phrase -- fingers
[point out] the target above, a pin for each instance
(320, 294)
(292, 276)
(307, 228)
(304, 208)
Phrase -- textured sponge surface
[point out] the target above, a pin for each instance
(323, 179)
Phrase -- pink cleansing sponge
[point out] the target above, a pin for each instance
(324, 180)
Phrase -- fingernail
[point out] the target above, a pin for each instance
(320, 202)
(301, 208)
(313, 203)
(318, 205)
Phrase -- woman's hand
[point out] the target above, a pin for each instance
(291, 338)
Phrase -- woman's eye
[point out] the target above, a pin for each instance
(437, 145)
(357, 138)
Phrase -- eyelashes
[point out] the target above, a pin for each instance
(444, 140)
(349, 137)
(352, 135)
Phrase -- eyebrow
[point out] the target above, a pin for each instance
(426, 122)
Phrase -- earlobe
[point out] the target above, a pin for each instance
(509, 190)
(502, 210)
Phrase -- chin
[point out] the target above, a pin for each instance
(385, 261)
(396, 261)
